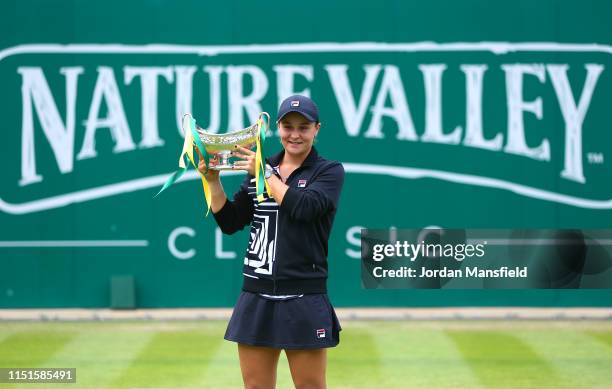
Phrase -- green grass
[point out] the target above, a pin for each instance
(372, 354)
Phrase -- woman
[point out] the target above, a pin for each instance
(283, 304)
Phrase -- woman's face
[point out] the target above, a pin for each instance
(297, 133)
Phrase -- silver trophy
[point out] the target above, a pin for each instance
(220, 146)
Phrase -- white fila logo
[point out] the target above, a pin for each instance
(295, 103)
(321, 333)
(302, 183)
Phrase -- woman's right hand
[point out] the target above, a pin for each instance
(211, 174)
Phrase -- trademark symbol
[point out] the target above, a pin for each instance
(595, 158)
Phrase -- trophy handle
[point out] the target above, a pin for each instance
(267, 116)
(183, 122)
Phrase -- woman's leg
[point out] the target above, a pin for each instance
(258, 366)
(308, 368)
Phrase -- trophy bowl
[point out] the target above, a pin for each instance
(220, 146)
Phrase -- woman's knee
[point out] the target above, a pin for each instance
(310, 384)
(256, 385)
(258, 366)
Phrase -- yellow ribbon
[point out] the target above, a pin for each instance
(190, 143)
(259, 160)
(188, 146)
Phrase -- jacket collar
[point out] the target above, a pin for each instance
(309, 161)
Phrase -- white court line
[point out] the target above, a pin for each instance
(74, 243)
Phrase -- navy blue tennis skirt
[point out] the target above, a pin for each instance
(304, 322)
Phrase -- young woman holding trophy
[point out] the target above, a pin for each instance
(283, 304)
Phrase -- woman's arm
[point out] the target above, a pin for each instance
(278, 188)
(319, 197)
(231, 216)
(307, 204)
(218, 197)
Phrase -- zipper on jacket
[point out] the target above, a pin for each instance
(274, 265)
(274, 277)
(293, 173)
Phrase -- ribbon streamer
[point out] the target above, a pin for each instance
(192, 140)
(260, 168)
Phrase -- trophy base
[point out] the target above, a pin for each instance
(222, 167)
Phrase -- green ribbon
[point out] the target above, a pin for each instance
(198, 142)
(261, 184)
(175, 176)
(187, 157)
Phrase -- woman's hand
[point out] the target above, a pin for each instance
(248, 159)
(211, 174)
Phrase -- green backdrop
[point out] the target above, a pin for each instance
(454, 114)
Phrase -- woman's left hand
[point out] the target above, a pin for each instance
(248, 159)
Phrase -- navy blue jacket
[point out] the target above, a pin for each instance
(287, 250)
